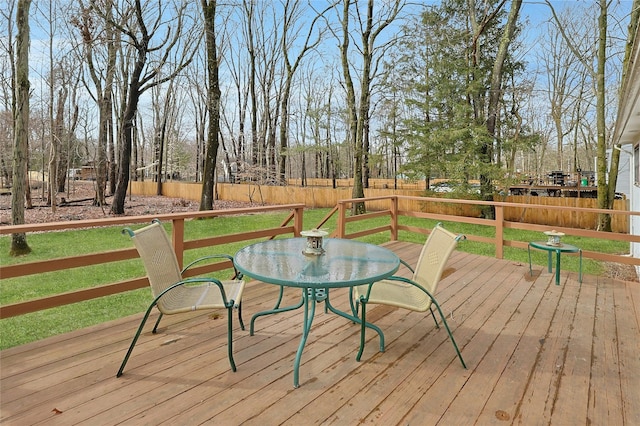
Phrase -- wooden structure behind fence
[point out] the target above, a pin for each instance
(327, 197)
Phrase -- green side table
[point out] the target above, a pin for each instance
(562, 248)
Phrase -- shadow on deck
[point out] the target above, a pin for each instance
(537, 353)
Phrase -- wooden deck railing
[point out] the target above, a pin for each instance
(385, 206)
(291, 225)
(395, 206)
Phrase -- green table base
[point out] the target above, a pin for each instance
(558, 250)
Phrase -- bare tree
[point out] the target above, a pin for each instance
(197, 95)
(7, 90)
(596, 66)
(101, 64)
(562, 85)
(249, 7)
(19, 244)
(291, 14)
(495, 96)
(359, 111)
(237, 68)
(165, 116)
(142, 32)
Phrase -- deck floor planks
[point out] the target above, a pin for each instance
(63, 381)
(271, 384)
(317, 332)
(271, 415)
(437, 400)
(172, 329)
(78, 369)
(573, 398)
(526, 325)
(605, 363)
(425, 375)
(418, 346)
(121, 392)
(122, 331)
(543, 387)
(627, 306)
(197, 371)
(501, 346)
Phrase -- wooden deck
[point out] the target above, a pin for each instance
(537, 354)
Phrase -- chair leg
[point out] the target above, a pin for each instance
(230, 338)
(362, 330)
(434, 317)
(240, 315)
(444, 321)
(135, 339)
(155, 327)
(353, 305)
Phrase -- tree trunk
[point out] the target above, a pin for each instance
(19, 244)
(213, 106)
(358, 190)
(126, 143)
(495, 95)
(604, 220)
(105, 107)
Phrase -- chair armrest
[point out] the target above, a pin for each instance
(236, 275)
(215, 281)
(407, 265)
(364, 298)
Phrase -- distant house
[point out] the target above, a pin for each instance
(88, 171)
(627, 132)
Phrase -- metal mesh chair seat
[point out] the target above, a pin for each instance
(194, 297)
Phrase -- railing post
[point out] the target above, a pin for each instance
(297, 221)
(499, 232)
(341, 220)
(177, 237)
(394, 218)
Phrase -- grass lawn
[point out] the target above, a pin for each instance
(30, 327)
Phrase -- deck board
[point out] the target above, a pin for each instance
(535, 352)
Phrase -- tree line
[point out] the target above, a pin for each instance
(265, 91)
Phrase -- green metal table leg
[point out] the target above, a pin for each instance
(306, 326)
(276, 309)
(580, 273)
(358, 321)
(557, 266)
(549, 267)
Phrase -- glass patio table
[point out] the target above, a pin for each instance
(344, 263)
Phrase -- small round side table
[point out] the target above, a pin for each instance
(562, 248)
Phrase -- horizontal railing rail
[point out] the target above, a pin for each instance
(499, 223)
(292, 225)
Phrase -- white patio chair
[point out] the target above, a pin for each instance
(172, 293)
(417, 293)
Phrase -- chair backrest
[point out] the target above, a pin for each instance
(434, 256)
(160, 262)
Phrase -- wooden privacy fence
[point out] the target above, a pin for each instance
(323, 197)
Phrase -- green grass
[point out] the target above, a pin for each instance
(30, 327)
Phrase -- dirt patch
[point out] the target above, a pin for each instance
(77, 204)
(620, 271)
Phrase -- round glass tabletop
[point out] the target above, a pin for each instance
(542, 245)
(344, 263)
